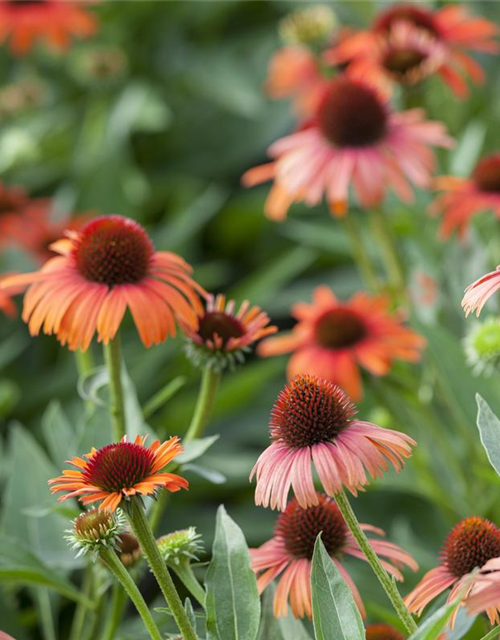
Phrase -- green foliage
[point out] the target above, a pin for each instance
(489, 431)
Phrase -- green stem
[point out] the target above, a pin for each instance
(361, 258)
(144, 534)
(115, 613)
(84, 362)
(123, 576)
(185, 574)
(206, 398)
(492, 635)
(47, 619)
(113, 358)
(81, 608)
(385, 580)
(390, 257)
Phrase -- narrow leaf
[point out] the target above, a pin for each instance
(335, 614)
(489, 432)
(196, 448)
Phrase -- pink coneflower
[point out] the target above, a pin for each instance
(486, 593)
(470, 545)
(353, 139)
(463, 198)
(334, 338)
(479, 292)
(455, 30)
(290, 551)
(313, 422)
(405, 55)
(107, 267)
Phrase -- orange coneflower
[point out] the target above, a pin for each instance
(314, 423)
(332, 339)
(462, 198)
(354, 139)
(222, 335)
(108, 266)
(289, 554)
(119, 471)
(471, 544)
(55, 22)
(383, 632)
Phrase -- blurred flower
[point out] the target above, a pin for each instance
(479, 292)
(20, 96)
(482, 346)
(383, 632)
(5, 636)
(485, 596)
(465, 197)
(119, 471)
(424, 290)
(107, 267)
(6, 304)
(333, 338)
(353, 138)
(128, 549)
(13, 201)
(454, 29)
(222, 336)
(101, 65)
(313, 421)
(294, 72)
(290, 551)
(55, 22)
(94, 530)
(311, 25)
(469, 545)
(405, 55)
(179, 546)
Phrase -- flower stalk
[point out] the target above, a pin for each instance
(385, 580)
(389, 254)
(113, 359)
(206, 399)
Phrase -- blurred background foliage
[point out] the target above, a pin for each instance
(156, 118)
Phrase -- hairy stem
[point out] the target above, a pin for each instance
(115, 613)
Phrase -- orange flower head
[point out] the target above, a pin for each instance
(107, 267)
(119, 471)
(223, 335)
(383, 632)
(474, 543)
(332, 339)
(416, 15)
(463, 198)
(25, 22)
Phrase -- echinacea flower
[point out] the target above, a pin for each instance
(289, 553)
(353, 139)
(313, 423)
(405, 55)
(485, 596)
(480, 291)
(470, 545)
(55, 22)
(94, 530)
(383, 632)
(223, 335)
(454, 29)
(462, 198)
(6, 304)
(333, 338)
(119, 471)
(107, 267)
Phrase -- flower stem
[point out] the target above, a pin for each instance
(185, 574)
(113, 358)
(84, 365)
(492, 635)
(144, 535)
(360, 256)
(81, 609)
(390, 257)
(385, 580)
(206, 398)
(123, 576)
(118, 602)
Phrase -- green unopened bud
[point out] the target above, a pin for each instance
(309, 26)
(180, 546)
(482, 346)
(94, 530)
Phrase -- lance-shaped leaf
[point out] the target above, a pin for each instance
(489, 432)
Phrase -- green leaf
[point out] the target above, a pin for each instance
(335, 614)
(272, 628)
(489, 432)
(57, 432)
(233, 604)
(196, 448)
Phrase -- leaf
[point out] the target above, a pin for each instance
(233, 604)
(335, 614)
(196, 448)
(462, 625)
(213, 476)
(272, 628)
(57, 432)
(489, 432)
